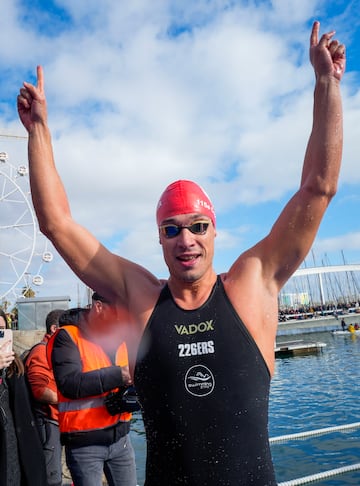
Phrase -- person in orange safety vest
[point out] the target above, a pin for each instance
(95, 397)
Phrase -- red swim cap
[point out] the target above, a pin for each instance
(184, 197)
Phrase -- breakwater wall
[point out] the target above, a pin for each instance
(316, 324)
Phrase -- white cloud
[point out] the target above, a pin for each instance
(347, 242)
(142, 93)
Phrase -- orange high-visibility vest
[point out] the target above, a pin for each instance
(89, 413)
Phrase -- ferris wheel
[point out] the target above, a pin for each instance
(20, 239)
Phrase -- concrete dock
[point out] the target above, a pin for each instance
(316, 324)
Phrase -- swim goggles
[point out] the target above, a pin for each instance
(171, 230)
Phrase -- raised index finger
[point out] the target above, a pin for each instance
(314, 37)
(40, 78)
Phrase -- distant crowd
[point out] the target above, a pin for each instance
(308, 311)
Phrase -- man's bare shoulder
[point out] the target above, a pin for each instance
(142, 293)
(254, 298)
(248, 264)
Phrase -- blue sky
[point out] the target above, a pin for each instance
(143, 93)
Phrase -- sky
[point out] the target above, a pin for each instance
(143, 93)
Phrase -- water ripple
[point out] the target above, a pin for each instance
(313, 392)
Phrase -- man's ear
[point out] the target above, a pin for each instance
(98, 306)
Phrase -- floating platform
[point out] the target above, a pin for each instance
(316, 324)
(337, 332)
(297, 348)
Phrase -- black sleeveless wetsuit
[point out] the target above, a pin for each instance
(204, 389)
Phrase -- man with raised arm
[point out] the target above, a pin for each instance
(202, 345)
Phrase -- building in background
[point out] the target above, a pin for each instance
(32, 312)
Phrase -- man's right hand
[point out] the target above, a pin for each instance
(31, 102)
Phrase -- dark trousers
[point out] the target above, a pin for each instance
(50, 439)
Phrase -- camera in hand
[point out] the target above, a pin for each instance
(125, 400)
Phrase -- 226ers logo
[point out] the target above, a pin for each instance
(199, 381)
(196, 349)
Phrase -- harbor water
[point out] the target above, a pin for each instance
(307, 393)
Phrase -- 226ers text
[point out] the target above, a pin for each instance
(196, 349)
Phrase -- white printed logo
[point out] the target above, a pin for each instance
(199, 381)
(195, 349)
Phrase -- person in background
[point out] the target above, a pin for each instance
(21, 458)
(351, 328)
(201, 345)
(72, 316)
(44, 400)
(90, 364)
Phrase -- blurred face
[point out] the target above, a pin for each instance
(105, 324)
(2, 323)
(188, 246)
(102, 315)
